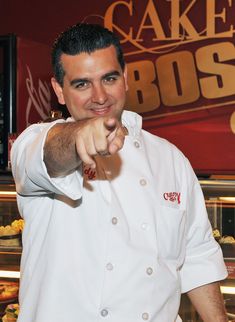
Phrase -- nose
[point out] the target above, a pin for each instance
(99, 94)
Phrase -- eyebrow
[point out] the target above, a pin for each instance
(82, 80)
(112, 73)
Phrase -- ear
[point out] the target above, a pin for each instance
(125, 78)
(58, 90)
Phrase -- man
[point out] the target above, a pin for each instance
(101, 242)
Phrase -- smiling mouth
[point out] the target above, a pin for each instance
(101, 111)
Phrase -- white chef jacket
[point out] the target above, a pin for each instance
(116, 244)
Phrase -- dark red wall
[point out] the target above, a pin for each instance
(42, 20)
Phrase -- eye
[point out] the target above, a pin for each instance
(81, 85)
(110, 79)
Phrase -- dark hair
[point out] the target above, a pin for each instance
(83, 38)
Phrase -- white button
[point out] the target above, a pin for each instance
(109, 266)
(149, 271)
(104, 312)
(143, 182)
(136, 144)
(114, 220)
(145, 316)
(145, 226)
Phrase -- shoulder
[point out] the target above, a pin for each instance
(157, 148)
(161, 145)
(168, 159)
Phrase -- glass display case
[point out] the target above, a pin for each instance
(219, 193)
(10, 245)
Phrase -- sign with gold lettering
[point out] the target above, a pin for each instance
(181, 72)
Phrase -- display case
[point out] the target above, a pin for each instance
(219, 193)
(10, 245)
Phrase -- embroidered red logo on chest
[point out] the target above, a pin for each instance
(172, 196)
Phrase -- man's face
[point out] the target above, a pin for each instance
(94, 84)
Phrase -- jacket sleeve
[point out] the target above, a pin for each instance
(29, 170)
(204, 262)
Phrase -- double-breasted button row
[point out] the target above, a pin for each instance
(109, 266)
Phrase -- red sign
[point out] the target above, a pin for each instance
(181, 70)
(34, 92)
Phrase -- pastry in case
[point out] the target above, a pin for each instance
(10, 235)
(11, 313)
(8, 290)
